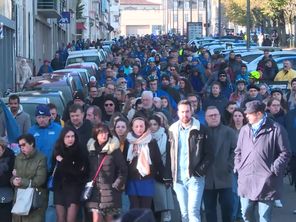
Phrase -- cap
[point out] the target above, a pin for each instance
(92, 78)
(152, 78)
(276, 90)
(151, 59)
(78, 95)
(42, 110)
(253, 86)
(255, 75)
(240, 81)
(255, 106)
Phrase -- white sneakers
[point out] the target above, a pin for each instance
(278, 203)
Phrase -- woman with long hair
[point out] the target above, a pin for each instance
(71, 166)
(163, 198)
(237, 121)
(103, 148)
(144, 164)
(185, 87)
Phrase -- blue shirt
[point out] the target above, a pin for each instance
(183, 156)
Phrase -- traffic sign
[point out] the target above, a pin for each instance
(64, 18)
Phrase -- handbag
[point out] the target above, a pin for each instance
(6, 195)
(37, 201)
(87, 191)
(50, 179)
(23, 203)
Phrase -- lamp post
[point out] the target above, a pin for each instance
(219, 18)
(248, 24)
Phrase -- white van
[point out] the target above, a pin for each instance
(89, 55)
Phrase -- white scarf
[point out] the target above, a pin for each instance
(139, 147)
(161, 138)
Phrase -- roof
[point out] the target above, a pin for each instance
(137, 2)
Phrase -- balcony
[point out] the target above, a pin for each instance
(49, 8)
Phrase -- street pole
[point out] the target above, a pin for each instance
(248, 24)
(183, 16)
(190, 2)
(220, 18)
(207, 19)
(174, 15)
(177, 16)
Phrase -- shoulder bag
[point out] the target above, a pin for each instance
(50, 179)
(87, 191)
(23, 203)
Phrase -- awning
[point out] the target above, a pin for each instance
(80, 26)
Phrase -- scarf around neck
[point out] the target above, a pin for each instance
(161, 139)
(139, 148)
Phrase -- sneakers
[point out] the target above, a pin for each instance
(278, 203)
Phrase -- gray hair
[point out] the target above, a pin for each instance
(147, 93)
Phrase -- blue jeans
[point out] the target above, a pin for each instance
(237, 214)
(189, 195)
(226, 204)
(264, 208)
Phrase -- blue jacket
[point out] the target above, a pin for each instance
(46, 139)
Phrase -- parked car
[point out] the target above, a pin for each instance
(90, 55)
(81, 84)
(280, 61)
(278, 54)
(49, 82)
(91, 67)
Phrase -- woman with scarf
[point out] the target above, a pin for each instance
(144, 164)
(163, 198)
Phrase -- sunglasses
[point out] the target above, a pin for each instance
(22, 145)
(123, 82)
(109, 104)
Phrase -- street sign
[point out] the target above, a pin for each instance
(64, 18)
(194, 30)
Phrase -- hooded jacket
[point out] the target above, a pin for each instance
(22, 118)
(111, 179)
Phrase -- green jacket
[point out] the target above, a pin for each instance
(32, 167)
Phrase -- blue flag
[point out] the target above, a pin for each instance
(12, 127)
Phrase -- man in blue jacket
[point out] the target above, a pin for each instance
(46, 133)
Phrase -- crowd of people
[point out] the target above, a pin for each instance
(165, 126)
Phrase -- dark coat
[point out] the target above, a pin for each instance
(220, 173)
(156, 168)
(200, 149)
(6, 167)
(290, 124)
(111, 179)
(72, 169)
(220, 102)
(84, 132)
(261, 162)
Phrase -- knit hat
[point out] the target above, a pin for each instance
(78, 95)
(42, 110)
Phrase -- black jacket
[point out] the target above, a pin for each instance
(201, 154)
(6, 167)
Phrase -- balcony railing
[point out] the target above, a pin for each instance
(49, 8)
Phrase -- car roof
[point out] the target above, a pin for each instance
(30, 100)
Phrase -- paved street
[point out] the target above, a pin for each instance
(285, 214)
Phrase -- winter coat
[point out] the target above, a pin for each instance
(220, 102)
(112, 177)
(46, 139)
(261, 161)
(220, 173)
(23, 121)
(200, 150)
(290, 124)
(6, 167)
(72, 169)
(156, 167)
(84, 132)
(32, 167)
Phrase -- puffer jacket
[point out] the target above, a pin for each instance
(32, 167)
(112, 176)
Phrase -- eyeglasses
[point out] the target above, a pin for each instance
(109, 104)
(22, 145)
(123, 82)
(222, 76)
